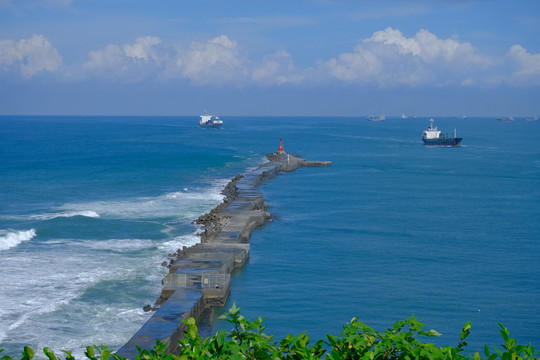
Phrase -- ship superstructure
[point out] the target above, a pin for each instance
(432, 136)
(210, 121)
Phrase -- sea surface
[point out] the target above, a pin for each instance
(91, 206)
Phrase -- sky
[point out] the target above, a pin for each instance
(270, 58)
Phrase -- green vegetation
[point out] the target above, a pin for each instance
(246, 340)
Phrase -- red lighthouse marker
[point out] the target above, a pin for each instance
(280, 146)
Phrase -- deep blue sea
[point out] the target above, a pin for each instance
(91, 206)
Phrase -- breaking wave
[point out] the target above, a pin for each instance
(11, 239)
(185, 203)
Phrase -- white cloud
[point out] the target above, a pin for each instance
(355, 66)
(132, 62)
(109, 57)
(389, 58)
(30, 56)
(215, 61)
(527, 65)
(143, 48)
(113, 56)
(277, 69)
(429, 47)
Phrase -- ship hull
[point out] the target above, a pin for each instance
(211, 126)
(443, 141)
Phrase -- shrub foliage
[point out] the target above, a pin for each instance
(247, 340)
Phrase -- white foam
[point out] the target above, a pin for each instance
(185, 204)
(10, 239)
(57, 280)
(118, 245)
(49, 216)
(178, 242)
(132, 314)
(63, 276)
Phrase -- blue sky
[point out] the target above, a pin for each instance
(254, 57)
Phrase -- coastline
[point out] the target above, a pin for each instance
(199, 276)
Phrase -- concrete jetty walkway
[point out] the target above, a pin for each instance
(199, 276)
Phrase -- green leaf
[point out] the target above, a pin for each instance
(5, 357)
(90, 352)
(504, 332)
(28, 353)
(49, 353)
(234, 310)
(105, 355)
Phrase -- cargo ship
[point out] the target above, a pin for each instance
(210, 121)
(432, 136)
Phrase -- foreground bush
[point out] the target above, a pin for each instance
(246, 340)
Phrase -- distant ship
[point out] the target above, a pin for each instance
(403, 116)
(510, 119)
(462, 117)
(210, 121)
(531, 119)
(373, 118)
(432, 136)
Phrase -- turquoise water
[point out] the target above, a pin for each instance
(91, 206)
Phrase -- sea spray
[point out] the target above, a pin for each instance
(10, 239)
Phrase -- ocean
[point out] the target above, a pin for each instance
(91, 206)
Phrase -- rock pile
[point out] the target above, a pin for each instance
(213, 222)
(276, 156)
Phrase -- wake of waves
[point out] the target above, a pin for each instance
(66, 214)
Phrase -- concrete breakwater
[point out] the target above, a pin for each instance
(199, 276)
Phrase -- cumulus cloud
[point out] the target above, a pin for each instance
(144, 48)
(425, 45)
(388, 57)
(30, 56)
(527, 65)
(215, 61)
(128, 60)
(355, 66)
(277, 69)
(109, 57)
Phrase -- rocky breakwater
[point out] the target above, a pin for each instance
(199, 276)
